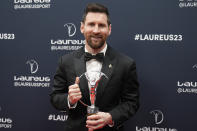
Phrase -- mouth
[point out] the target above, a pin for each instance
(96, 37)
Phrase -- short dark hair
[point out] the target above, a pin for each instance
(95, 7)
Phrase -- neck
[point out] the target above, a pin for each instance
(95, 51)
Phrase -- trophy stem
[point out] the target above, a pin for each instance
(92, 110)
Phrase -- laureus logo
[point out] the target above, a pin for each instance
(195, 66)
(158, 116)
(71, 28)
(33, 66)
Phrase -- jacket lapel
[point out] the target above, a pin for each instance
(80, 68)
(107, 68)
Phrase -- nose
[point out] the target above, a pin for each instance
(96, 29)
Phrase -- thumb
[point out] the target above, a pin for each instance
(77, 80)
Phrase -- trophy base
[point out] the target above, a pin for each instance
(92, 110)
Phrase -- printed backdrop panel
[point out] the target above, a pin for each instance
(159, 35)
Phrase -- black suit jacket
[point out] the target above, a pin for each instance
(118, 95)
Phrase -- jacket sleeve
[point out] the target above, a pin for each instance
(129, 102)
(60, 89)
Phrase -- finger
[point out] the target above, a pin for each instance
(93, 117)
(73, 90)
(94, 122)
(95, 127)
(90, 129)
(75, 86)
(77, 80)
(75, 98)
(77, 90)
(75, 95)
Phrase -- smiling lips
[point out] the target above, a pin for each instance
(96, 37)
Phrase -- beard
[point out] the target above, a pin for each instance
(96, 41)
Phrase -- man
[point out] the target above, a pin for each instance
(117, 96)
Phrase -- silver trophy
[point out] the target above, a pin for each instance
(93, 78)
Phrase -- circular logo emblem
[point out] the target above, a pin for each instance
(158, 116)
(33, 66)
(71, 29)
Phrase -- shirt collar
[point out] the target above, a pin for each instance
(102, 51)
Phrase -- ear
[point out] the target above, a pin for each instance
(110, 29)
(82, 27)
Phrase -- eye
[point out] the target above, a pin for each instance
(102, 25)
(91, 24)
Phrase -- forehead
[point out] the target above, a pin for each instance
(96, 17)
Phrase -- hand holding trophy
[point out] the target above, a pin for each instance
(74, 93)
